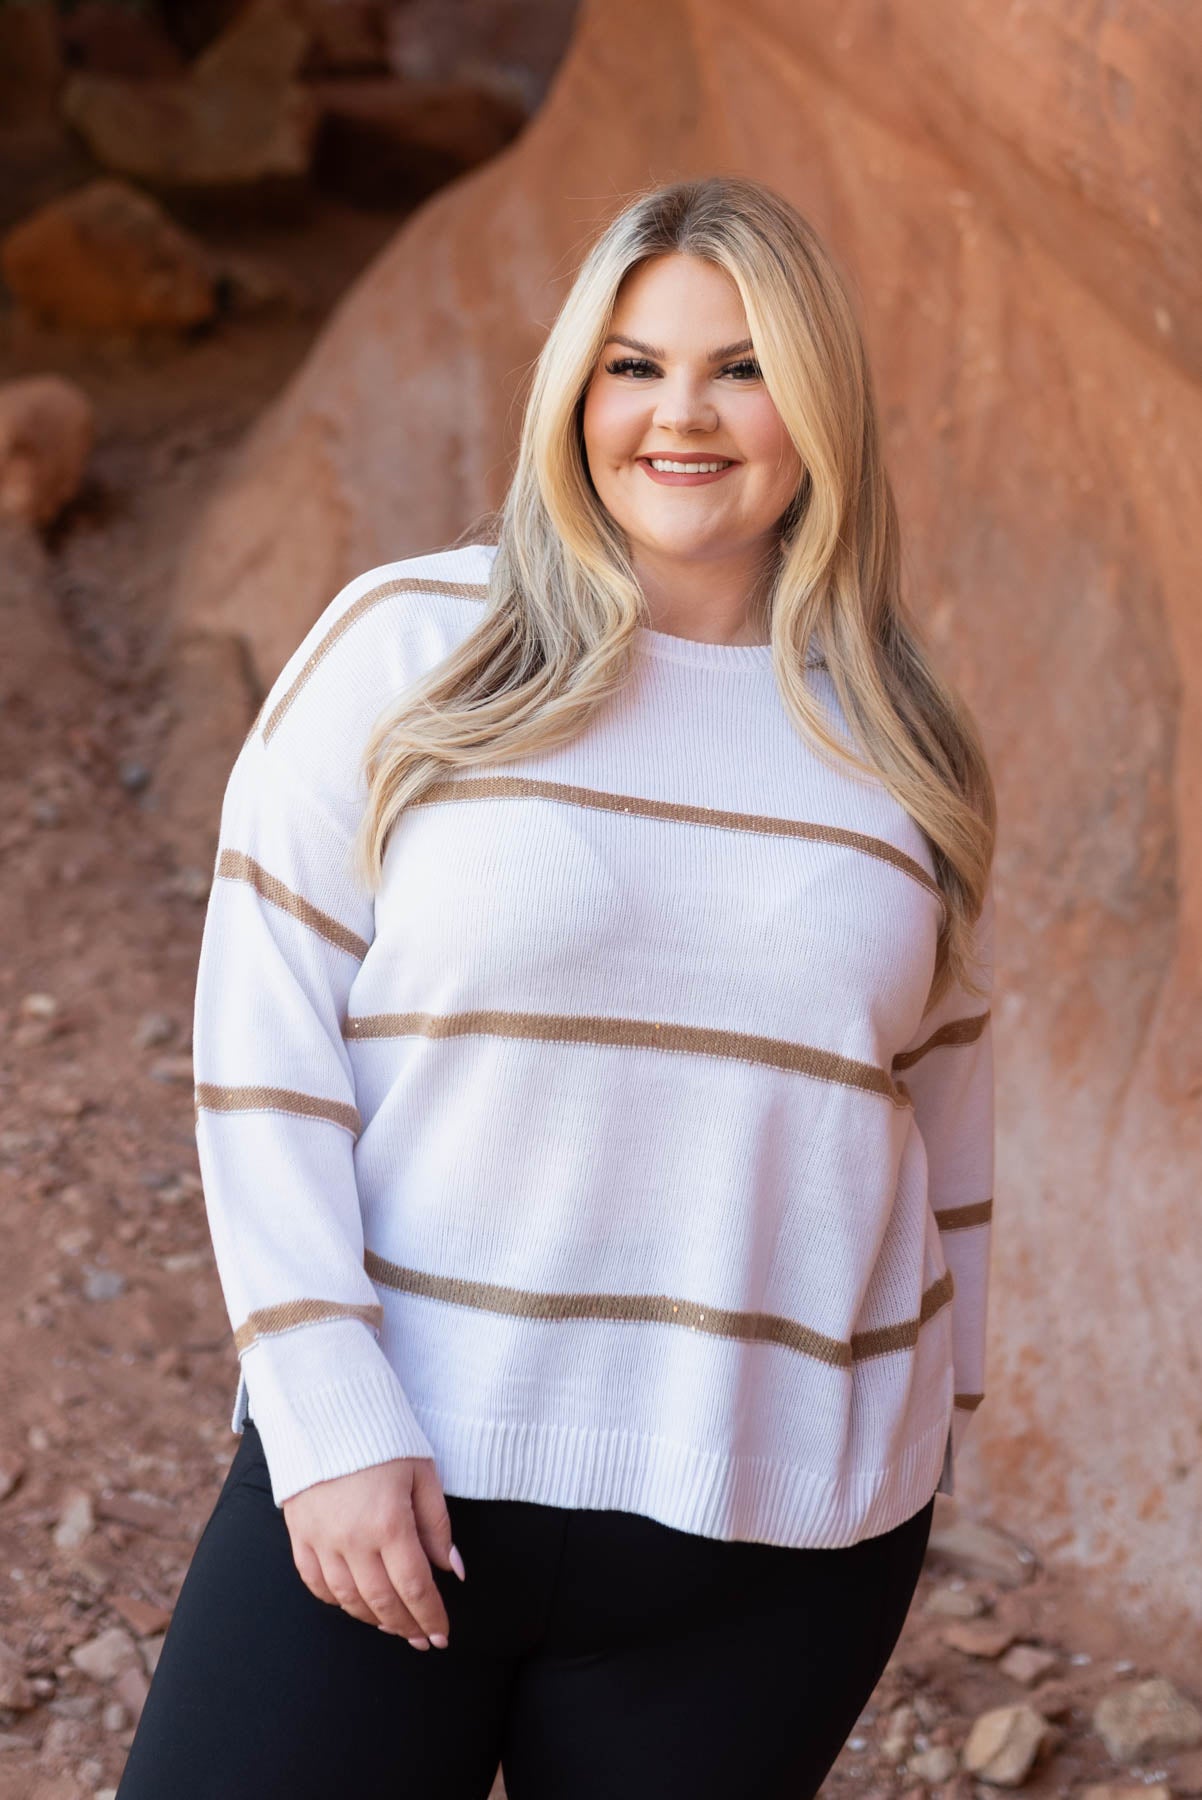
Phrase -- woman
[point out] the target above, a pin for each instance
(582, 899)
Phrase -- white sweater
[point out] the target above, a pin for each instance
(606, 1157)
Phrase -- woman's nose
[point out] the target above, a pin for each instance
(685, 409)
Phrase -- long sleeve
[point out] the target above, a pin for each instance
(948, 1069)
(287, 926)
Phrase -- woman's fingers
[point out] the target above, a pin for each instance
(308, 1567)
(430, 1515)
(409, 1572)
(376, 1590)
(357, 1544)
(341, 1580)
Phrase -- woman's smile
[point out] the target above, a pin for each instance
(686, 471)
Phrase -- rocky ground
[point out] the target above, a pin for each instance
(117, 1368)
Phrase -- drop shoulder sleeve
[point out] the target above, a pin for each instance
(287, 926)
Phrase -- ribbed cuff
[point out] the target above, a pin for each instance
(326, 1402)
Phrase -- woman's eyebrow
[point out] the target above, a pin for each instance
(660, 355)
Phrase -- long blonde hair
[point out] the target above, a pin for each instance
(555, 636)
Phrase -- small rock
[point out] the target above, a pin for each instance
(12, 1471)
(133, 776)
(977, 1637)
(144, 1511)
(16, 1692)
(1004, 1743)
(958, 1788)
(62, 1738)
(1028, 1663)
(173, 1068)
(955, 1603)
(152, 1029)
(76, 1520)
(106, 1656)
(1146, 1715)
(114, 1717)
(934, 1765)
(103, 1284)
(140, 1615)
(899, 1733)
(1054, 1699)
(131, 1688)
(984, 1550)
(73, 1706)
(47, 427)
(37, 1006)
(152, 1649)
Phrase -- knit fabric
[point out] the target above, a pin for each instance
(606, 1155)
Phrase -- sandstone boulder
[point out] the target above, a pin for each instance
(108, 258)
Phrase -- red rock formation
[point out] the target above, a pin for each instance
(1011, 191)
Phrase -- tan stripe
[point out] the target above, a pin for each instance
(268, 1319)
(969, 1402)
(956, 1031)
(955, 1218)
(215, 1098)
(659, 1309)
(644, 1034)
(409, 584)
(904, 1336)
(505, 787)
(235, 865)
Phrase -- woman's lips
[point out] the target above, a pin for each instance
(669, 479)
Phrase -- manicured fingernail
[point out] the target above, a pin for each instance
(439, 1639)
(457, 1564)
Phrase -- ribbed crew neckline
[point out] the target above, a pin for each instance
(700, 655)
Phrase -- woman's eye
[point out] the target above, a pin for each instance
(630, 365)
(626, 365)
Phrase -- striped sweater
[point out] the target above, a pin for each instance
(605, 1156)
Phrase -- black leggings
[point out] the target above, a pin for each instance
(592, 1654)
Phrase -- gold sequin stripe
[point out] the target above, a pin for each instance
(268, 1319)
(504, 787)
(409, 584)
(214, 1098)
(969, 1402)
(661, 1309)
(236, 865)
(643, 1034)
(956, 1218)
(956, 1031)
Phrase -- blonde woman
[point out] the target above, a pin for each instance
(594, 1094)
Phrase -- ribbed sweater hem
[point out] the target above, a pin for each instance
(709, 1493)
(706, 1492)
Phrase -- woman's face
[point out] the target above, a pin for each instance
(677, 380)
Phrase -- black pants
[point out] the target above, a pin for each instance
(593, 1654)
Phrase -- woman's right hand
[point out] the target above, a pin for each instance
(365, 1542)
